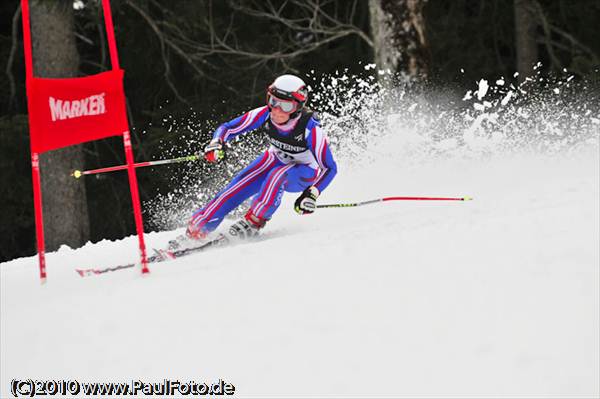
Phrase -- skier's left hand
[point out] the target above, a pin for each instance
(307, 201)
(214, 152)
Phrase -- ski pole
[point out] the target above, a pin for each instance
(353, 204)
(78, 173)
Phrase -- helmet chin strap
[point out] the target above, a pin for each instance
(296, 113)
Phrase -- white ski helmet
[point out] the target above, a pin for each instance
(289, 87)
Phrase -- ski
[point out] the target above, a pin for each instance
(159, 256)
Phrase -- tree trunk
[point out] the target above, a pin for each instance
(525, 35)
(398, 31)
(55, 56)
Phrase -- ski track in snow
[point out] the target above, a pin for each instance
(494, 297)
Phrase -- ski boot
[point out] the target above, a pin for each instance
(246, 228)
(192, 237)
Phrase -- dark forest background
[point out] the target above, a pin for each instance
(211, 60)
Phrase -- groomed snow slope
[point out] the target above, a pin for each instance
(498, 296)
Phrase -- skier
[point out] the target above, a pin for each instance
(297, 160)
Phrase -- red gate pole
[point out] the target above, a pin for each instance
(39, 216)
(133, 185)
(135, 199)
(35, 159)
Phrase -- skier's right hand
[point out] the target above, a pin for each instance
(214, 152)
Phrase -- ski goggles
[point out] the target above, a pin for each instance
(286, 106)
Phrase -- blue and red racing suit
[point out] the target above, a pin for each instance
(298, 157)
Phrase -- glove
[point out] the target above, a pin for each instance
(214, 151)
(307, 201)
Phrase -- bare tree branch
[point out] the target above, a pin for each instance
(302, 26)
(166, 41)
(547, 35)
(161, 39)
(102, 34)
(11, 56)
(574, 42)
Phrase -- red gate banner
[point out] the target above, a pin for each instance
(64, 112)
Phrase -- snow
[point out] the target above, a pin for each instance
(498, 296)
(479, 107)
(483, 89)
(507, 98)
